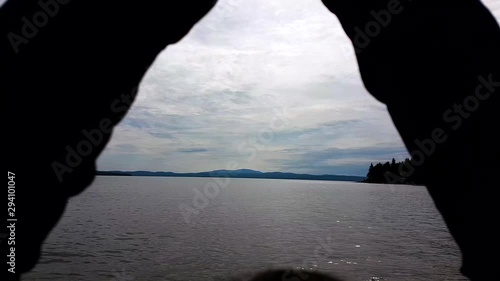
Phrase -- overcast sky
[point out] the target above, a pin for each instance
(270, 85)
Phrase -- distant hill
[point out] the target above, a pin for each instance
(113, 173)
(242, 173)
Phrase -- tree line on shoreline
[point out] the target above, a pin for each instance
(390, 173)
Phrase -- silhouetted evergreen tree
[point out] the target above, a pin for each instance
(394, 167)
(391, 172)
(370, 171)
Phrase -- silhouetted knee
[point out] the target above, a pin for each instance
(291, 275)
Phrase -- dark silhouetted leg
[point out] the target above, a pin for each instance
(69, 72)
(436, 64)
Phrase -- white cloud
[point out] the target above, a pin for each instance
(207, 99)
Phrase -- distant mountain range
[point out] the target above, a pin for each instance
(242, 173)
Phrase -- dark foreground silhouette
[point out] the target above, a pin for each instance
(70, 70)
(288, 275)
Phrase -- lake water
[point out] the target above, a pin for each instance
(131, 228)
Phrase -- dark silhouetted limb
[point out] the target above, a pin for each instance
(68, 78)
(436, 64)
(289, 275)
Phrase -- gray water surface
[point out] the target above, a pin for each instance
(132, 228)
